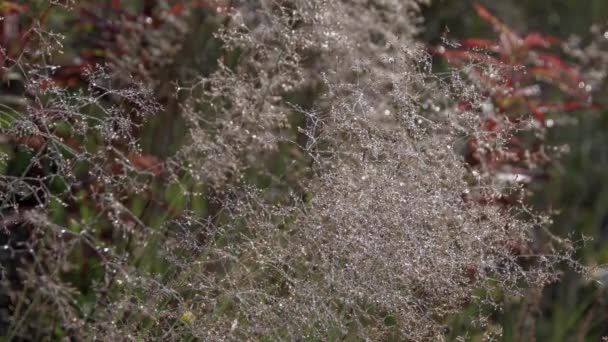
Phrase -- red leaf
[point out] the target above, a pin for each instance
(555, 62)
(471, 271)
(177, 9)
(539, 114)
(7, 8)
(146, 162)
(508, 39)
(71, 142)
(479, 43)
(491, 125)
(548, 59)
(536, 39)
(35, 142)
(70, 74)
(486, 15)
(465, 106)
(562, 78)
(572, 106)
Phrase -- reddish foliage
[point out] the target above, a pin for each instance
(177, 8)
(146, 162)
(17, 37)
(8, 8)
(527, 62)
(537, 40)
(523, 76)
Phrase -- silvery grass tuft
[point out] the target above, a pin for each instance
(390, 240)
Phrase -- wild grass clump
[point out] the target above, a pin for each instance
(384, 232)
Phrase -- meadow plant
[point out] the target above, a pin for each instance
(381, 235)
